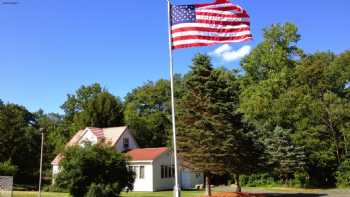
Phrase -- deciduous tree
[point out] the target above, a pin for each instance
(20, 140)
(148, 113)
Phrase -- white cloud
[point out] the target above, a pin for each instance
(226, 52)
(222, 49)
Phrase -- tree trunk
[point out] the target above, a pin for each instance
(207, 185)
(204, 181)
(238, 185)
(345, 145)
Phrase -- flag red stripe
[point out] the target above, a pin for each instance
(228, 8)
(223, 22)
(213, 38)
(205, 44)
(206, 29)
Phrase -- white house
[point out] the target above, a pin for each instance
(153, 167)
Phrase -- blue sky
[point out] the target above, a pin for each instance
(50, 48)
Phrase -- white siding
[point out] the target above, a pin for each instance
(190, 179)
(162, 183)
(55, 171)
(186, 179)
(132, 142)
(145, 184)
(88, 137)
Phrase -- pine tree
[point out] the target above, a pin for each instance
(243, 152)
(199, 136)
(286, 158)
(212, 136)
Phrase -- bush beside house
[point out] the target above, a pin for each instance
(94, 170)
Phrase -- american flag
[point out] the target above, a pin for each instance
(208, 24)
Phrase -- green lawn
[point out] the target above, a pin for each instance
(290, 191)
(35, 194)
(130, 194)
(161, 194)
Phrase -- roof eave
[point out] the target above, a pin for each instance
(140, 161)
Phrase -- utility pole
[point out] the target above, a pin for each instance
(41, 159)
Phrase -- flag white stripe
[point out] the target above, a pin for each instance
(214, 26)
(224, 19)
(213, 34)
(216, 6)
(202, 41)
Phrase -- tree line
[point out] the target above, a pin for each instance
(284, 112)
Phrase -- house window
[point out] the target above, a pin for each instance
(134, 170)
(170, 172)
(139, 171)
(162, 174)
(126, 142)
(167, 172)
(142, 172)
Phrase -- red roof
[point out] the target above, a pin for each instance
(146, 153)
(98, 132)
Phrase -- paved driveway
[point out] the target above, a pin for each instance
(291, 192)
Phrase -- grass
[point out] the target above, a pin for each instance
(277, 190)
(35, 194)
(130, 194)
(162, 194)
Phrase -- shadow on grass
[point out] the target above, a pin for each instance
(142, 195)
(295, 195)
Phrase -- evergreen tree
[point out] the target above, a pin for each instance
(286, 158)
(199, 135)
(244, 154)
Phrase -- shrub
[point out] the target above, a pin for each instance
(301, 179)
(94, 171)
(343, 174)
(254, 180)
(54, 188)
(102, 190)
(7, 169)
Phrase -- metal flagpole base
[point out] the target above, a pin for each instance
(177, 191)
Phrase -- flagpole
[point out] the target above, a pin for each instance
(177, 189)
